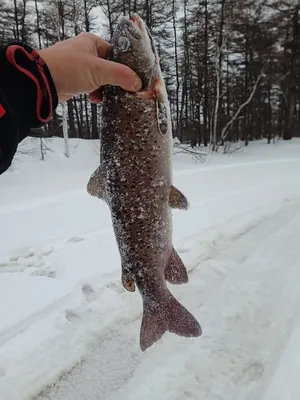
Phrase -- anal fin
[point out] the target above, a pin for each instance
(177, 199)
(176, 272)
(96, 184)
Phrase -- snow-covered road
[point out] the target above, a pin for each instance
(247, 311)
(66, 320)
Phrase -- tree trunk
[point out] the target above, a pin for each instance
(17, 33)
(38, 23)
(72, 129)
(23, 27)
(206, 97)
(289, 116)
(95, 134)
(79, 121)
(65, 128)
(176, 65)
(88, 134)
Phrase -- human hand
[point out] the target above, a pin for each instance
(79, 65)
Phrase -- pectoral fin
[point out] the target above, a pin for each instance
(128, 282)
(96, 184)
(177, 199)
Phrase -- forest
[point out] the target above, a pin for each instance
(231, 67)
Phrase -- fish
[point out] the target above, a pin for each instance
(134, 178)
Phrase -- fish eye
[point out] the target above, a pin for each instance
(124, 43)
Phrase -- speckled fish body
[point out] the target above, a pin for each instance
(135, 180)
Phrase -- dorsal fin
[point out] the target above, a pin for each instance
(96, 184)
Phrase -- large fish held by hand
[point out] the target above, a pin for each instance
(135, 180)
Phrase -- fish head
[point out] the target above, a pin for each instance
(132, 45)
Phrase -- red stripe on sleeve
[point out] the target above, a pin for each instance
(10, 53)
(2, 111)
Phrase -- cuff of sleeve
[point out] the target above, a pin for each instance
(28, 85)
(9, 133)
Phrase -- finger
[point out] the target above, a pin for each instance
(87, 42)
(96, 96)
(112, 73)
(102, 47)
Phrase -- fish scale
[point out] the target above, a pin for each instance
(135, 180)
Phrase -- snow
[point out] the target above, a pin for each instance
(66, 320)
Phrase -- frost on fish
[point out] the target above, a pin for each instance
(135, 156)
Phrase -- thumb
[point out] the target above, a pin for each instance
(113, 73)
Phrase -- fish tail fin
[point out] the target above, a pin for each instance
(166, 314)
(176, 272)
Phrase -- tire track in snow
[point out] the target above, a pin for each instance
(283, 381)
(40, 201)
(22, 326)
(248, 316)
(115, 362)
(193, 171)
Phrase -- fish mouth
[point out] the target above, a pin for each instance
(136, 20)
(136, 26)
(132, 27)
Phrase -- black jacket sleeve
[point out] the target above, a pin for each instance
(27, 97)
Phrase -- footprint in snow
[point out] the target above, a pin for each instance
(2, 372)
(252, 372)
(45, 272)
(30, 261)
(71, 315)
(115, 286)
(45, 252)
(23, 257)
(75, 239)
(88, 292)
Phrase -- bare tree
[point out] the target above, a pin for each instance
(218, 71)
(58, 21)
(225, 130)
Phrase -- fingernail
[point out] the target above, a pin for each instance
(137, 84)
